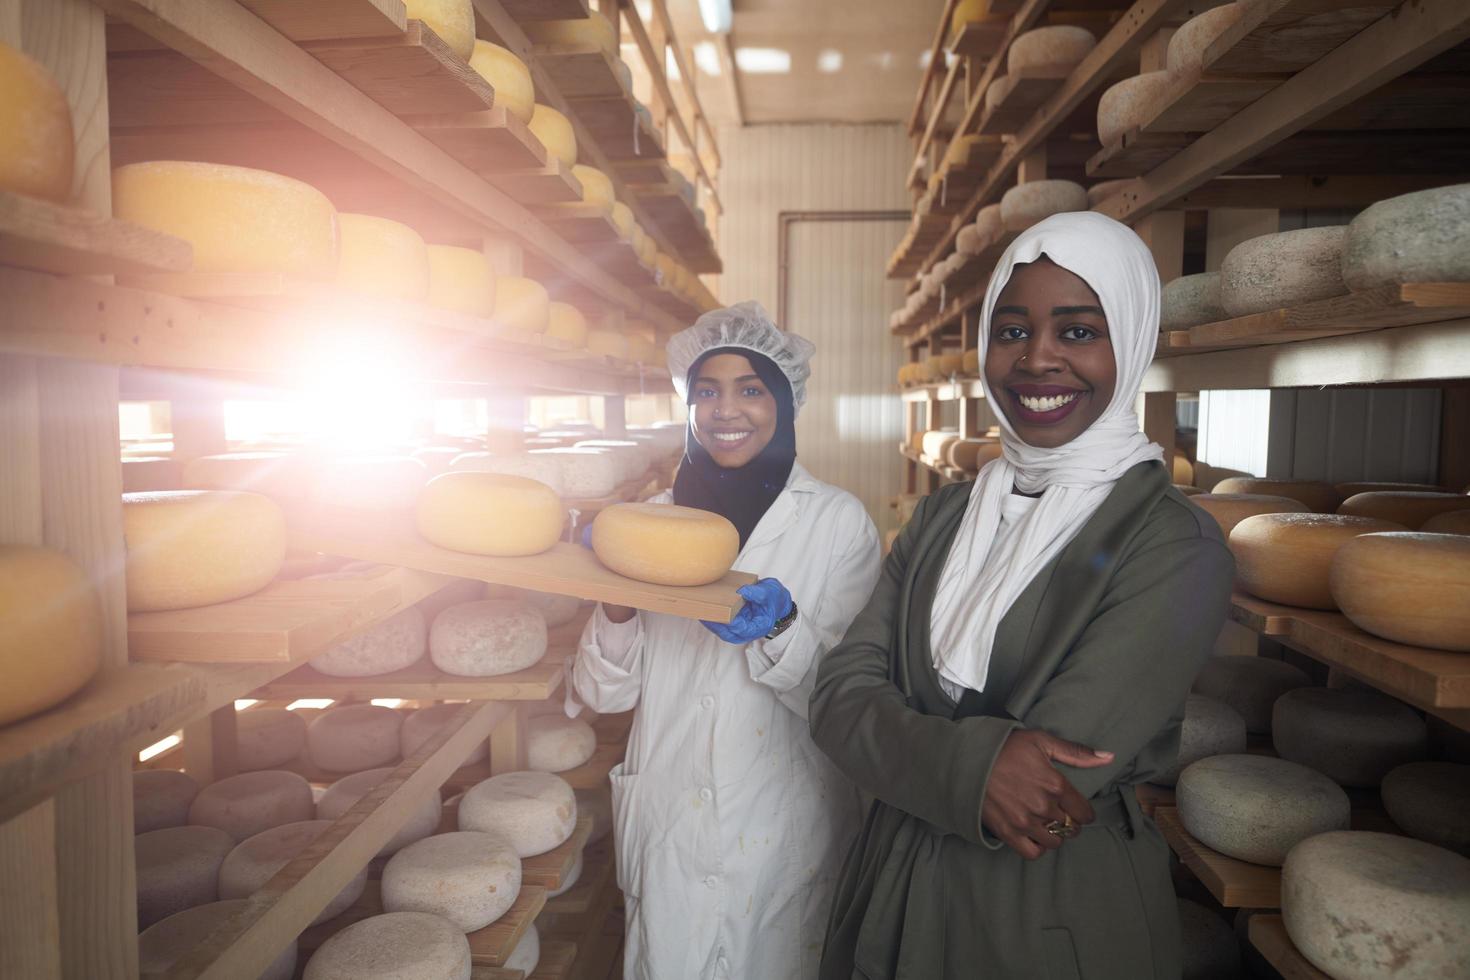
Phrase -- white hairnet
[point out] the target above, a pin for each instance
(748, 326)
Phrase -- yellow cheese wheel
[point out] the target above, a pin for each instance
(971, 455)
(1183, 469)
(642, 351)
(1403, 507)
(971, 363)
(916, 442)
(1451, 522)
(50, 630)
(597, 187)
(1353, 489)
(490, 514)
(967, 12)
(277, 475)
(190, 548)
(608, 342)
(1287, 558)
(36, 144)
(951, 364)
(382, 258)
(555, 133)
(648, 254)
(508, 76)
(1320, 497)
(452, 20)
(461, 279)
(238, 219)
(1408, 587)
(640, 328)
(622, 219)
(594, 29)
(1229, 509)
(1188, 490)
(566, 322)
(665, 544)
(522, 304)
(665, 266)
(936, 441)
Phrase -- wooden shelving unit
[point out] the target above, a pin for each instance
(1268, 935)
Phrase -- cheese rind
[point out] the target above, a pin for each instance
(1229, 509)
(50, 630)
(1188, 45)
(462, 280)
(397, 946)
(1354, 736)
(556, 743)
(161, 798)
(1026, 204)
(354, 737)
(555, 133)
(422, 725)
(1452, 522)
(1130, 103)
(166, 942)
(522, 304)
(36, 144)
(1407, 587)
(397, 642)
(1250, 685)
(452, 20)
(597, 187)
(1209, 728)
(382, 258)
(609, 343)
(1322, 498)
(1287, 558)
(1429, 800)
(1257, 808)
(1406, 507)
(340, 797)
(527, 953)
(266, 738)
(189, 548)
(468, 877)
(534, 811)
(490, 514)
(1418, 237)
(256, 860)
(1057, 44)
(487, 638)
(1289, 268)
(665, 544)
(509, 76)
(566, 322)
(244, 805)
(594, 29)
(1190, 301)
(177, 869)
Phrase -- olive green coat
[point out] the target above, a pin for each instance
(1101, 648)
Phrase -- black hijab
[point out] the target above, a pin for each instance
(741, 495)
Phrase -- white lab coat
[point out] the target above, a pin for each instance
(731, 826)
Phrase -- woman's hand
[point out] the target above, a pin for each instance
(1026, 792)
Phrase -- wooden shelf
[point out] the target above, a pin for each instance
(680, 222)
(58, 238)
(944, 391)
(581, 71)
(1265, 618)
(1020, 96)
(581, 223)
(414, 72)
(533, 10)
(597, 877)
(331, 19)
(1151, 797)
(488, 141)
(591, 775)
(557, 959)
(1234, 884)
(979, 39)
(549, 870)
(1268, 936)
(421, 681)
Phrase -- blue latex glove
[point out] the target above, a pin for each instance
(586, 536)
(766, 603)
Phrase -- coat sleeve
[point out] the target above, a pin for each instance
(930, 766)
(607, 674)
(788, 664)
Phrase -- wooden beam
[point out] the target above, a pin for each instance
(686, 77)
(732, 78)
(936, 50)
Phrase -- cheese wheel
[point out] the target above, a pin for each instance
(1188, 491)
(970, 362)
(1229, 509)
(393, 644)
(622, 219)
(1026, 204)
(1418, 237)
(382, 258)
(937, 443)
(635, 457)
(1409, 508)
(1452, 522)
(522, 304)
(50, 630)
(190, 548)
(279, 476)
(354, 737)
(597, 804)
(1101, 191)
(1209, 728)
(556, 743)
(166, 942)
(1187, 46)
(36, 142)
(1131, 103)
(968, 241)
(461, 280)
(1320, 497)
(972, 454)
(266, 738)
(1190, 301)
(395, 946)
(452, 20)
(597, 187)
(238, 220)
(594, 29)
(951, 364)
(566, 322)
(665, 544)
(1346, 490)
(425, 723)
(1354, 735)
(989, 223)
(468, 877)
(1044, 47)
(539, 468)
(1429, 800)
(487, 638)
(527, 953)
(534, 811)
(256, 860)
(342, 795)
(1183, 469)
(1250, 685)
(244, 805)
(1407, 587)
(177, 869)
(375, 483)
(161, 798)
(556, 610)
(490, 514)
(586, 474)
(968, 12)
(149, 473)
(555, 133)
(1211, 951)
(508, 76)
(1287, 558)
(1271, 272)
(1257, 808)
(1365, 906)
(608, 343)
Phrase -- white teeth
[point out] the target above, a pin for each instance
(730, 436)
(1047, 404)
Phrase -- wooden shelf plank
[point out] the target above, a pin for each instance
(331, 19)
(414, 72)
(1290, 37)
(619, 128)
(580, 223)
(980, 39)
(1266, 618)
(1430, 678)
(488, 141)
(681, 224)
(549, 870)
(557, 957)
(534, 10)
(551, 184)
(50, 237)
(597, 877)
(581, 71)
(1234, 884)
(421, 681)
(1268, 936)
(1019, 96)
(591, 775)
(1151, 797)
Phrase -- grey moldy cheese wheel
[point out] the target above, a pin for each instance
(1287, 558)
(244, 805)
(989, 223)
(534, 811)
(166, 942)
(420, 726)
(1187, 46)
(394, 946)
(1130, 103)
(1256, 808)
(256, 860)
(1229, 509)
(341, 795)
(178, 868)
(354, 737)
(468, 877)
(1429, 800)
(1366, 906)
(487, 638)
(1409, 587)
(393, 644)
(1354, 736)
(1289, 268)
(1409, 508)
(1312, 494)
(556, 743)
(586, 474)
(161, 798)
(1209, 728)
(1210, 948)
(1418, 237)
(1026, 204)
(1250, 685)
(1060, 44)
(1191, 300)
(1452, 522)
(268, 737)
(527, 954)
(597, 804)
(1101, 191)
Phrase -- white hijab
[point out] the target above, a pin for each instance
(980, 582)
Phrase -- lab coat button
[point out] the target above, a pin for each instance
(706, 794)
(706, 702)
(712, 881)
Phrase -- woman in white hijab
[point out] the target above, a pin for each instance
(1024, 659)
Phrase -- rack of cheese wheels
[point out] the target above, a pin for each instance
(1302, 809)
(199, 194)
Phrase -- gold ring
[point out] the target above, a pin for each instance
(1063, 828)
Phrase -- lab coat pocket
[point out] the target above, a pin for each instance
(1060, 957)
(627, 831)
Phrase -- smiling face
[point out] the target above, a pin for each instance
(734, 413)
(1050, 360)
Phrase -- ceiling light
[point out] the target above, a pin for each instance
(884, 60)
(707, 58)
(829, 61)
(716, 15)
(763, 61)
(671, 65)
